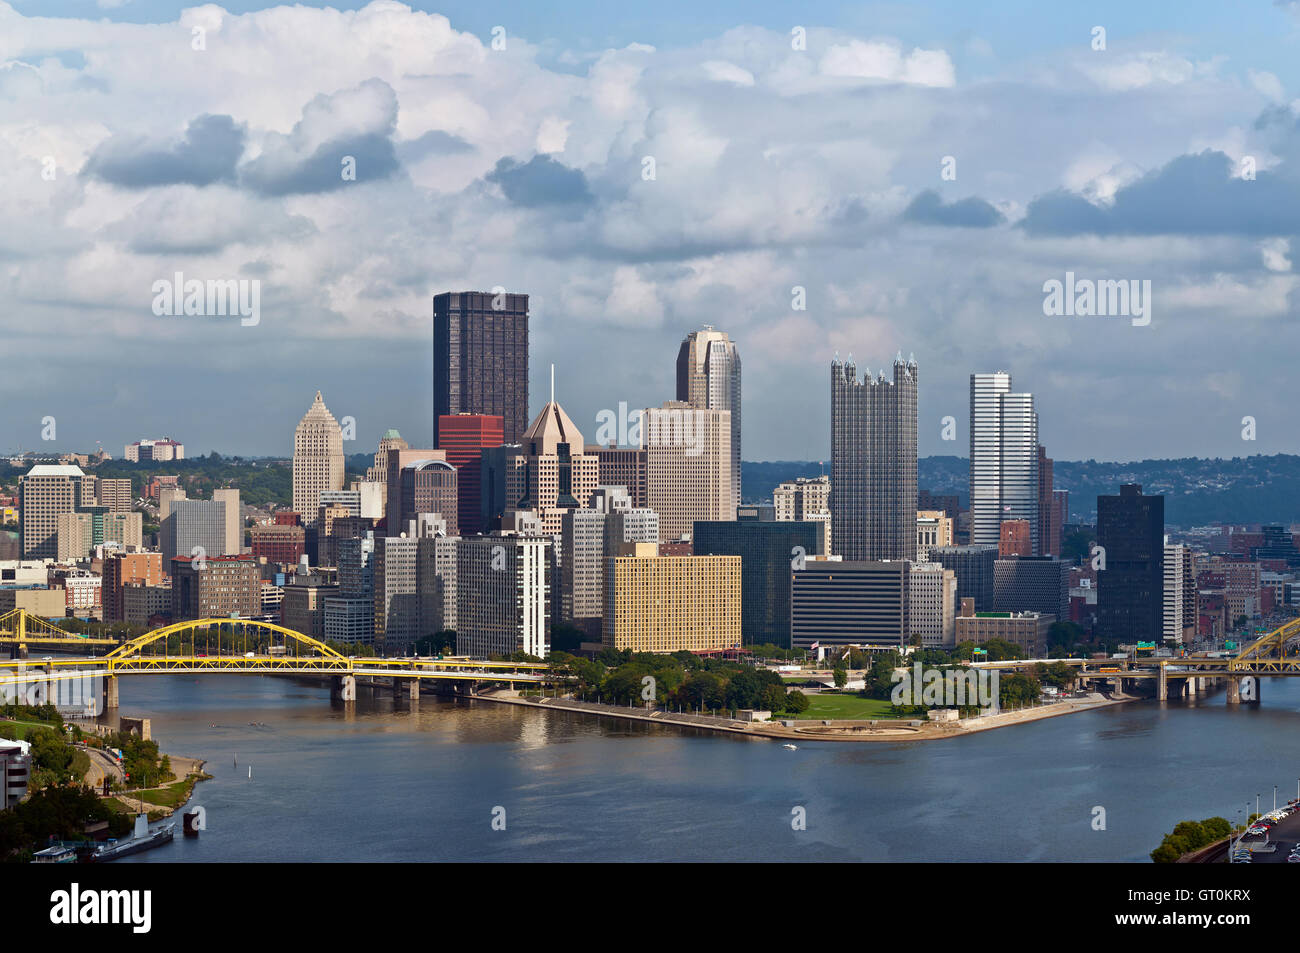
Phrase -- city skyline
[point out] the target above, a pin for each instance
(847, 136)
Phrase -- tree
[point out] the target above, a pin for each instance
(841, 677)
(796, 702)
(744, 690)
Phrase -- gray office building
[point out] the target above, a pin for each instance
(974, 566)
(769, 552)
(849, 603)
(191, 528)
(1032, 584)
(873, 462)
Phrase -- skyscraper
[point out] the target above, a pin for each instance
(1130, 589)
(464, 437)
(552, 476)
(1049, 530)
(873, 462)
(1179, 615)
(1003, 458)
(688, 466)
(317, 459)
(768, 549)
(708, 378)
(480, 358)
(234, 526)
(45, 493)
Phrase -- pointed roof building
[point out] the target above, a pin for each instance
(317, 459)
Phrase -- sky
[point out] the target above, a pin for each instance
(820, 179)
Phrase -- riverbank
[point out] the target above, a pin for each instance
(166, 799)
(842, 730)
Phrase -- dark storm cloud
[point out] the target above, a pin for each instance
(208, 153)
(929, 209)
(1192, 195)
(540, 181)
(322, 171)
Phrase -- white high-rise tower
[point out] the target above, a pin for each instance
(317, 459)
(1003, 458)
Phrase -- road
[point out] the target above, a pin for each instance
(101, 764)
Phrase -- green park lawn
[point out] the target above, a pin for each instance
(832, 706)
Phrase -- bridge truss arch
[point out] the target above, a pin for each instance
(133, 648)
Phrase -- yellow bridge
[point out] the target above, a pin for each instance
(1275, 654)
(249, 647)
(19, 627)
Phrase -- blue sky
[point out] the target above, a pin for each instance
(524, 167)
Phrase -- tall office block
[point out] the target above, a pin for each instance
(193, 528)
(974, 567)
(503, 595)
(116, 494)
(1179, 613)
(688, 466)
(398, 460)
(480, 359)
(1049, 530)
(398, 603)
(552, 476)
(657, 603)
(850, 603)
(806, 499)
(216, 587)
(1032, 584)
(317, 459)
(425, 486)
(932, 604)
(708, 378)
(45, 492)
(1003, 458)
(463, 438)
(350, 615)
(584, 550)
(622, 466)
(873, 462)
(377, 472)
(234, 528)
(768, 551)
(1130, 590)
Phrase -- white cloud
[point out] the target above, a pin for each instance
(723, 72)
(884, 60)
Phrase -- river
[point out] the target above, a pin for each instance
(390, 785)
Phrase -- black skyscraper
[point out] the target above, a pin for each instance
(768, 551)
(1131, 586)
(480, 358)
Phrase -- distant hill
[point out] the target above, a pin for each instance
(1258, 489)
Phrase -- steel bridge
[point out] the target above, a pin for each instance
(221, 646)
(20, 628)
(1274, 654)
